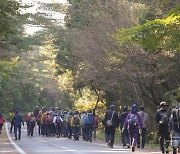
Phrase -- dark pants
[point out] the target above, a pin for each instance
(125, 137)
(28, 128)
(64, 129)
(143, 136)
(110, 132)
(58, 130)
(88, 132)
(48, 129)
(1, 127)
(32, 125)
(17, 132)
(164, 136)
(53, 129)
(133, 133)
(39, 129)
(11, 128)
(43, 129)
(76, 130)
(69, 131)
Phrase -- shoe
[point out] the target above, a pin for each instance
(15, 138)
(174, 151)
(109, 143)
(128, 146)
(167, 150)
(111, 146)
(133, 149)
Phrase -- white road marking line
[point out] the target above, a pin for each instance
(13, 143)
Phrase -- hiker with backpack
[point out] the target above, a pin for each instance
(133, 123)
(162, 120)
(1, 122)
(175, 128)
(83, 116)
(17, 120)
(11, 114)
(39, 122)
(145, 117)
(28, 122)
(75, 124)
(48, 122)
(64, 126)
(111, 123)
(58, 124)
(124, 133)
(36, 111)
(43, 125)
(32, 122)
(88, 126)
(68, 124)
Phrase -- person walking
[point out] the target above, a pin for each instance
(11, 114)
(111, 123)
(32, 122)
(133, 123)
(175, 128)
(162, 120)
(88, 126)
(142, 137)
(1, 122)
(57, 120)
(75, 124)
(17, 120)
(124, 133)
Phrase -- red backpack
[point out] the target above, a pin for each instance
(2, 121)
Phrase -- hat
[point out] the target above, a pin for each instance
(163, 104)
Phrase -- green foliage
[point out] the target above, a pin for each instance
(9, 17)
(155, 36)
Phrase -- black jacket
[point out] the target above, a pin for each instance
(108, 116)
(122, 119)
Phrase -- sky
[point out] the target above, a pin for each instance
(30, 29)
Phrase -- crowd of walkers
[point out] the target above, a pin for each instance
(133, 124)
(62, 123)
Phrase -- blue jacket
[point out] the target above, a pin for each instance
(17, 119)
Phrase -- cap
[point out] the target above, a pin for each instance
(163, 104)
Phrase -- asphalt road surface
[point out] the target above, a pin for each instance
(52, 145)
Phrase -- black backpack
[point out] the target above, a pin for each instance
(176, 116)
(76, 121)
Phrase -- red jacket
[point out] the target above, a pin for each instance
(46, 121)
(2, 120)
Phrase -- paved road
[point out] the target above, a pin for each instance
(53, 145)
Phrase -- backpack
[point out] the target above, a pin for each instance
(89, 119)
(69, 120)
(133, 120)
(164, 118)
(58, 120)
(1, 121)
(48, 119)
(176, 116)
(32, 120)
(76, 121)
